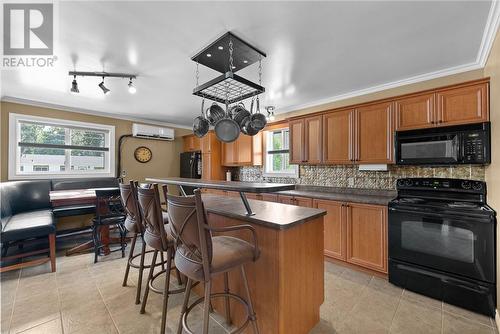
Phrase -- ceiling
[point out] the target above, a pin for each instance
(316, 52)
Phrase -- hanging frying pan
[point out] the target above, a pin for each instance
(201, 124)
(226, 129)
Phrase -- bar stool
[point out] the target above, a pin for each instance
(200, 257)
(156, 237)
(133, 224)
(109, 212)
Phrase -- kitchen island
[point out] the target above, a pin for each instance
(287, 281)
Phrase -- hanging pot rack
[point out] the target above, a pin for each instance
(227, 55)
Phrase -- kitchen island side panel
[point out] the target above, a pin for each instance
(287, 281)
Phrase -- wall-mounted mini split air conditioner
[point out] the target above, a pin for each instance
(153, 132)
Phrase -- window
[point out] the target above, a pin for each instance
(53, 148)
(277, 162)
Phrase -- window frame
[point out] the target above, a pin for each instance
(14, 153)
(265, 172)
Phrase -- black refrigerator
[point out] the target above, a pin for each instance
(191, 168)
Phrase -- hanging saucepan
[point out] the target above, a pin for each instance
(258, 121)
(247, 124)
(240, 114)
(226, 129)
(215, 113)
(201, 124)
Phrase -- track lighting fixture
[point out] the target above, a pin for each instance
(131, 87)
(74, 86)
(105, 90)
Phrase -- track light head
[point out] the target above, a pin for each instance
(131, 87)
(74, 86)
(105, 90)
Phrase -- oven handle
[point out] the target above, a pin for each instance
(441, 215)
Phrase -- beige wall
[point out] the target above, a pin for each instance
(492, 70)
(165, 161)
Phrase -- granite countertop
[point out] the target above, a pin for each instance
(249, 187)
(355, 195)
(270, 214)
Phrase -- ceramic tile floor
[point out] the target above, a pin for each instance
(82, 297)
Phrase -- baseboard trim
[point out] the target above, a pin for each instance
(497, 319)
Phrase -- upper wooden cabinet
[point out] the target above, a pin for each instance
(374, 133)
(468, 104)
(450, 106)
(245, 151)
(367, 236)
(338, 137)
(313, 139)
(191, 143)
(364, 134)
(415, 112)
(306, 141)
(297, 139)
(210, 148)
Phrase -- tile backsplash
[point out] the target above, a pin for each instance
(350, 176)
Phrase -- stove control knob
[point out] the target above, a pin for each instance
(408, 183)
(401, 182)
(466, 184)
(477, 186)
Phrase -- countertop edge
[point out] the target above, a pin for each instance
(258, 220)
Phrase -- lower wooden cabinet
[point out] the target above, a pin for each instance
(356, 233)
(367, 236)
(296, 200)
(334, 229)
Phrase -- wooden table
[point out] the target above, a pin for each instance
(60, 198)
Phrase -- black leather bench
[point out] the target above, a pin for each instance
(26, 214)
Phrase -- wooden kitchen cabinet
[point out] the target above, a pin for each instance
(245, 151)
(191, 143)
(367, 236)
(306, 141)
(338, 137)
(374, 132)
(269, 197)
(286, 199)
(303, 201)
(297, 139)
(335, 237)
(415, 112)
(210, 143)
(461, 105)
(313, 139)
(296, 200)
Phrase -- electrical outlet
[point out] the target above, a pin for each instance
(350, 182)
(124, 173)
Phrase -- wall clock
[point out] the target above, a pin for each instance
(143, 154)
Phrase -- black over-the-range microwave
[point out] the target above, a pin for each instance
(451, 145)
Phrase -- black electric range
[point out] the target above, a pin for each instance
(442, 241)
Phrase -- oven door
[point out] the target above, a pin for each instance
(452, 243)
(430, 149)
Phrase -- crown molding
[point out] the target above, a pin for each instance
(382, 87)
(90, 112)
(490, 31)
(489, 34)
